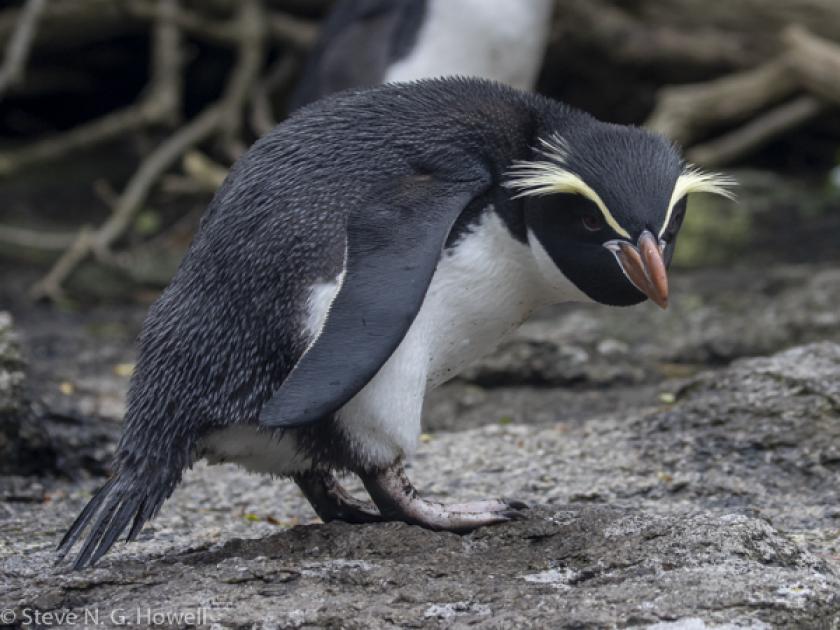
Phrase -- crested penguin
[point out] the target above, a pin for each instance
(367, 42)
(362, 253)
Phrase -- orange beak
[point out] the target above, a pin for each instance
(643, 266)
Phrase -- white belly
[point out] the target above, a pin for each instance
(482, 290)
(503, 40)
(480, 293)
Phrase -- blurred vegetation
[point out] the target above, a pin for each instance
(118, 118)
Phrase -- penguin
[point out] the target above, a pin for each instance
(367, 42)
(359, 255)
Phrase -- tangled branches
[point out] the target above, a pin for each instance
(755, 76)
(249, 32)
(767, 100)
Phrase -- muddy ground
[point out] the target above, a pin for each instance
(684, 469)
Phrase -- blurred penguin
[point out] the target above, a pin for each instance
(367, 42)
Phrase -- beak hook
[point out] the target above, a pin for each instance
(644, 266)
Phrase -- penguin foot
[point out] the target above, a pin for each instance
(332, 502)
(491, 505)
(398, 500)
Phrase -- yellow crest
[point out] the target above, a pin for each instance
(533, 178)
(693, 180)
(537, 178)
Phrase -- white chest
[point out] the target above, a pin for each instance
(482, 288)
(503, 40)
(481, 291)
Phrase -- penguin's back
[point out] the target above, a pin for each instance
(237, 315)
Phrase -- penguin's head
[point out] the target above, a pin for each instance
(603, 207)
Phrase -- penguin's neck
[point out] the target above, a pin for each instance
(486, 284)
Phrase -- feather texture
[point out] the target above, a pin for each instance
(124, 498)
(694, 180)
(533, 178)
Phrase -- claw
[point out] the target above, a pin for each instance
(515, 504)
(396, 498)
(515, 515)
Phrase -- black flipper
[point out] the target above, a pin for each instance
(394, 242)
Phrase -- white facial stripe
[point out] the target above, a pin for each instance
(694, 180)
(615, 248)
(546, 178)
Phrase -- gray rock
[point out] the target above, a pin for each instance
(25, 447)
(46, 432)
(761, 437)
(717, 510)
(576, 362)
(714, 319)
(572, 567)
(11, 370)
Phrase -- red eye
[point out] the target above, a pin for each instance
(592, 222)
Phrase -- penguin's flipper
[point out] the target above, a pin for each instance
(394, 242)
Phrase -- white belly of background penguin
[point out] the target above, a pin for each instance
(367, 42)
(500, 39)
(363, 252)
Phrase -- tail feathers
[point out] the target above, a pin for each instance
(108, 514)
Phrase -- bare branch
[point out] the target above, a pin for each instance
(101, 130)
(757, 132)
(35, 239)
(151, 169)
(17, 50)
(683, 112)
(282, 28)
(287, 29)
(204, 171)
(160, 104)
(167, 62)
(135, 193)
(279, 74)
(192, 23)
(68, 23)
(50, 286)
(625, 37)
(251, 52)
(816, 62)
(810, 64)
(213, 119)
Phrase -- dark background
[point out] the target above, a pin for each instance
(93, 59)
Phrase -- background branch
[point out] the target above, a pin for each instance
(35, 239)
(807, 74)
(189, 111)
(20, 44)
(217, 118)
(160, 104)
(685, 112)
(757, 132)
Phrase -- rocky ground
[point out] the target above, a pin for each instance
(684, 469)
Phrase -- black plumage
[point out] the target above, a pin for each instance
(224, 336)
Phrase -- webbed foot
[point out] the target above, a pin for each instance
(332, 502)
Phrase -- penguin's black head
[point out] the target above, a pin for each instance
(603, 205)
